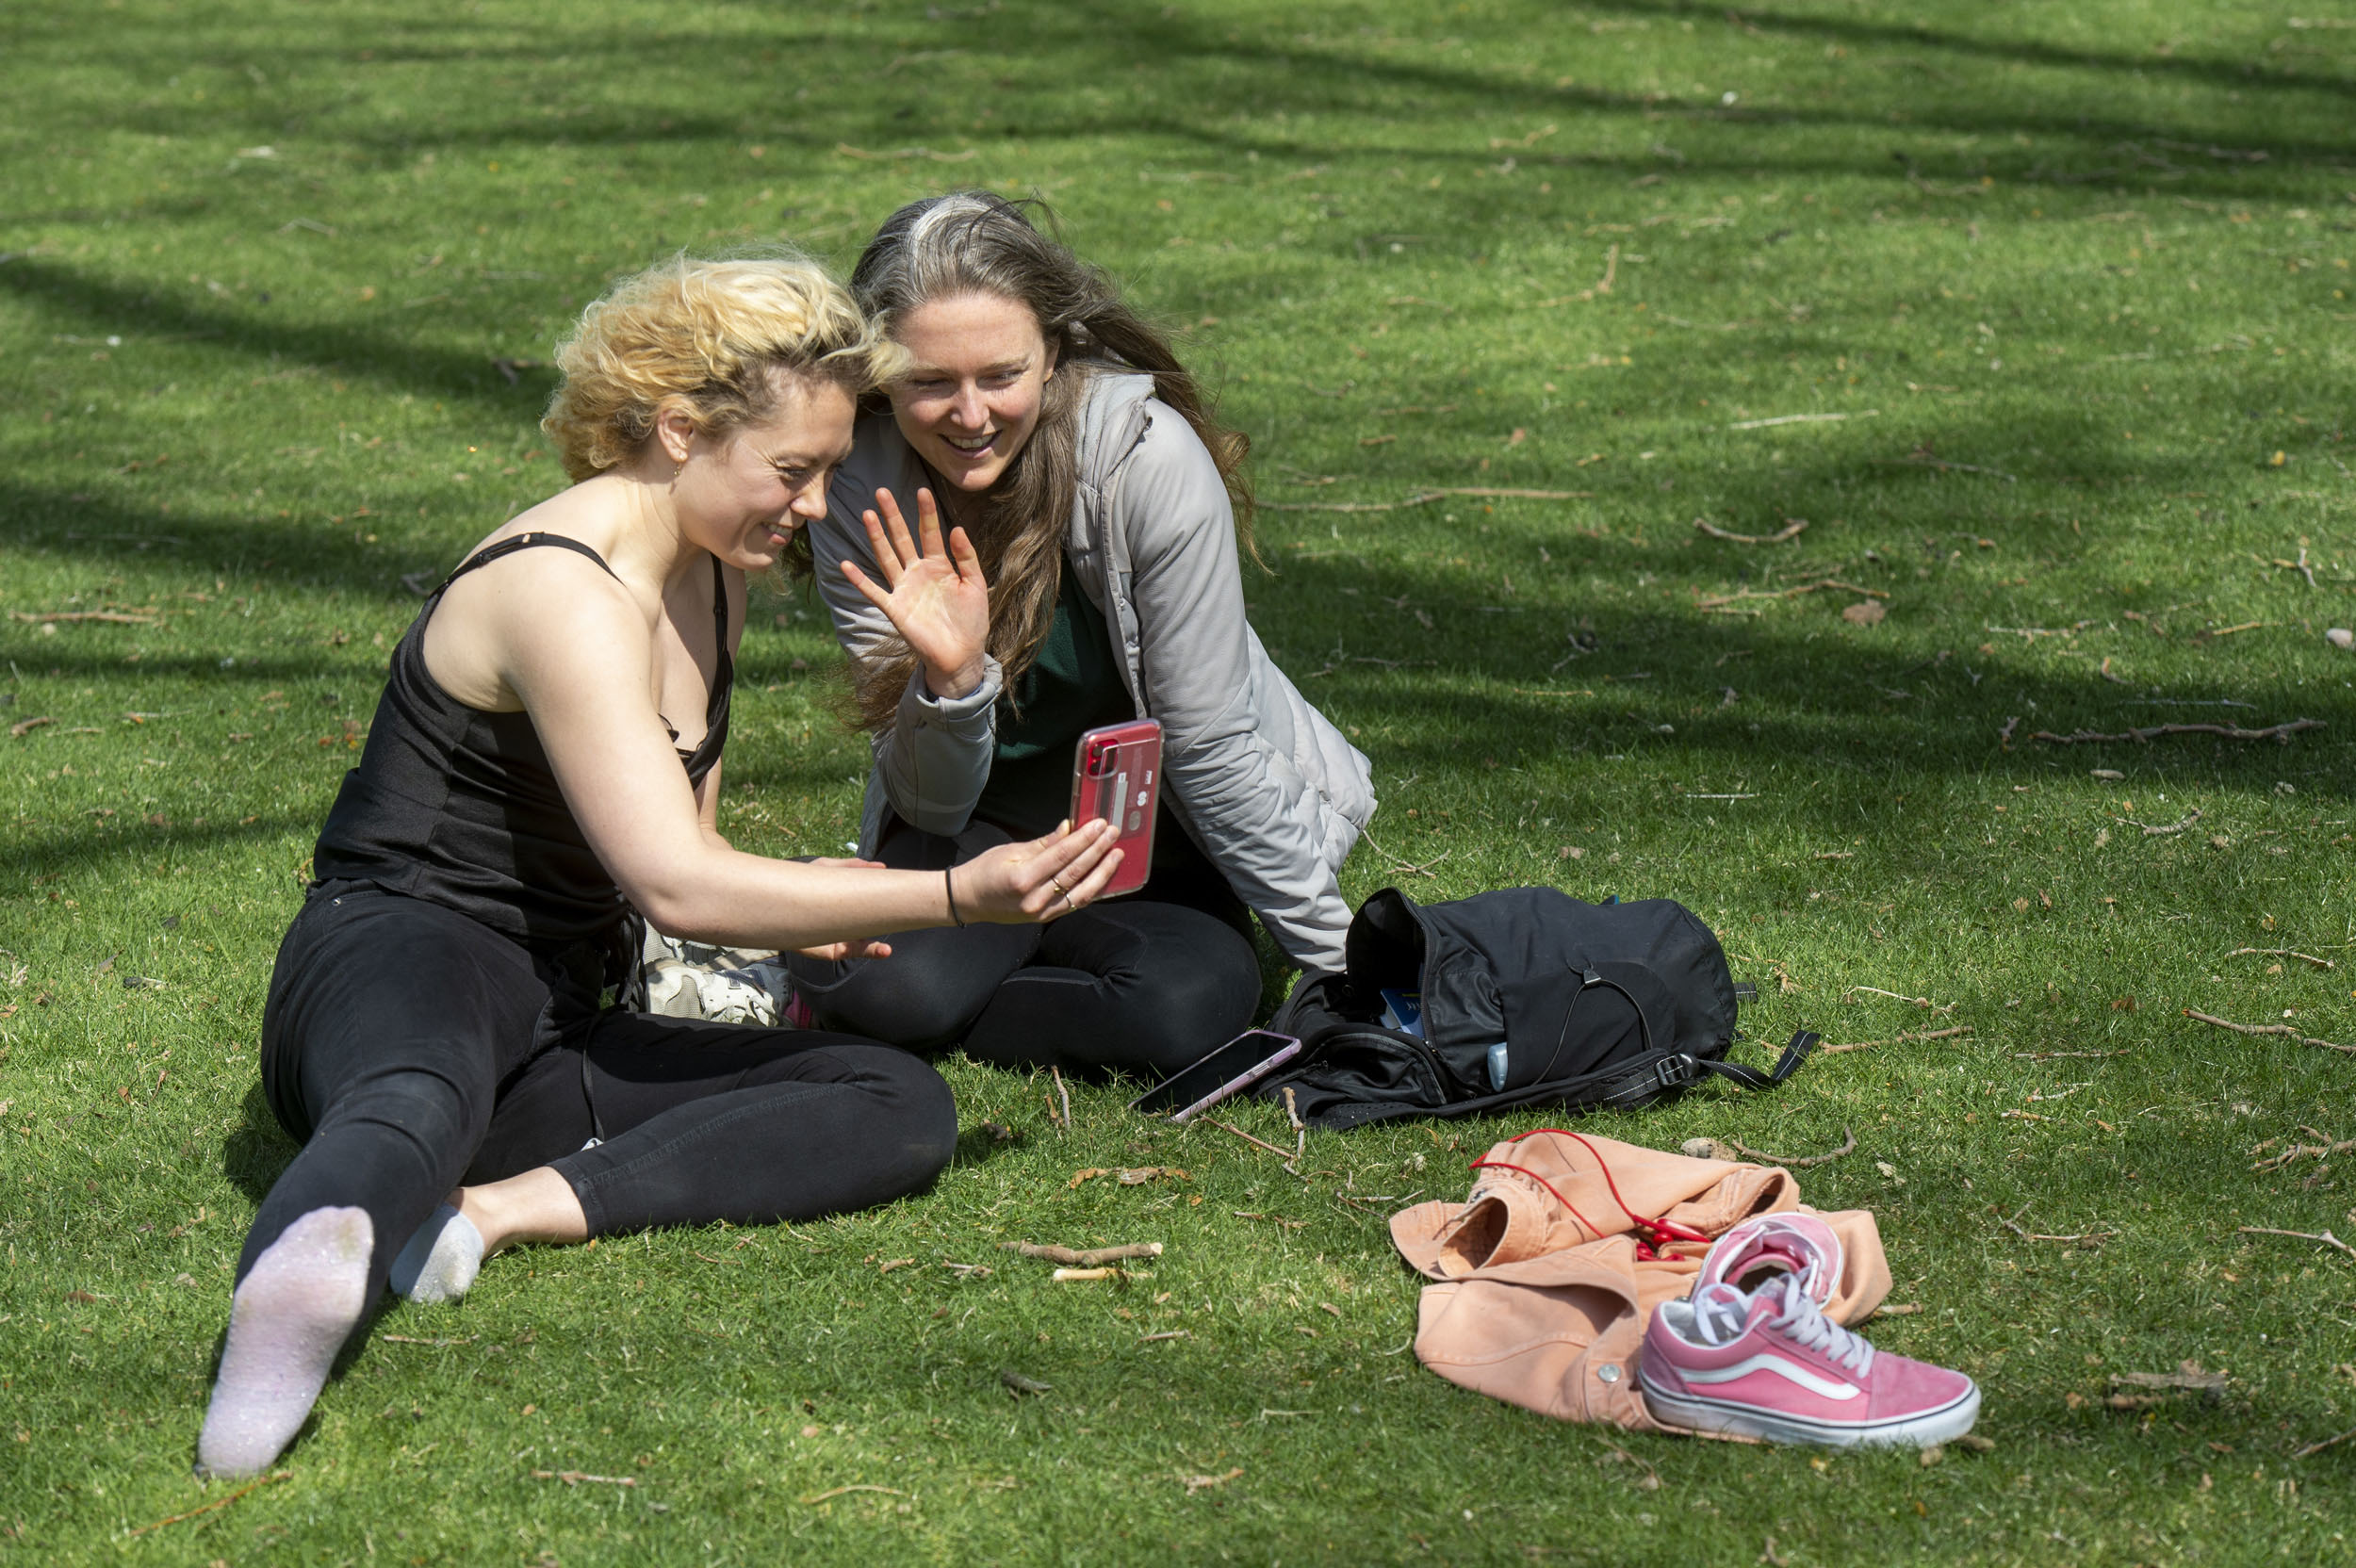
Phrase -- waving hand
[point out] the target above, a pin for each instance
(933, 594)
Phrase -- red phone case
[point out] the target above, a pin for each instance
(1116, 776)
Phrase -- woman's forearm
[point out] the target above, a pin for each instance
(732, 899)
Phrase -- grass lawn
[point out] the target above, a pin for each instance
(2039, 315)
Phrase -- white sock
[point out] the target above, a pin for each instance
(441, 1260)
(298, 1305)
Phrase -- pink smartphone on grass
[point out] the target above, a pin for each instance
(1117, 778)
(1222, 1075)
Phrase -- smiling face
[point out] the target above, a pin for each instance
(741, 493)
(973, 396)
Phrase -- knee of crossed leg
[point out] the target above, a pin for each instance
(1183, 1013)
(917, 1126)
(919, 1008)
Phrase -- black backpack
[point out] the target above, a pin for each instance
(1596, 1005)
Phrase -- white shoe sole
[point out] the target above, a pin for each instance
(1922, 1429)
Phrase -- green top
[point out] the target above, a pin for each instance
(1074, 686)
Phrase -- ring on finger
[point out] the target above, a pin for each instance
(1070, 907)
(1057, 883)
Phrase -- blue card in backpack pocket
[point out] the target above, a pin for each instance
(1403, 1011)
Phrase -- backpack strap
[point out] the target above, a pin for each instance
(1795, 1052)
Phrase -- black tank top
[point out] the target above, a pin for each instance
(459, 806)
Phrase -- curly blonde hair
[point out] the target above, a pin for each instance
(712, 337)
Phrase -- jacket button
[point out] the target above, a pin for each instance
(1609, 1372)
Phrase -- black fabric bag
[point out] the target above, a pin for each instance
(1596, 1005)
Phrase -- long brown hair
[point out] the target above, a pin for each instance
(972, 241)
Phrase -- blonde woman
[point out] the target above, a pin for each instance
(1097, 516)
(545, 757)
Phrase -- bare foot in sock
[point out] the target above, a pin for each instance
(298, 1305)
(441, 1260)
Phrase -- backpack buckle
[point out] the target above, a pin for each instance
(1674, 1071)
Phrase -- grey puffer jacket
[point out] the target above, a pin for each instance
(1261, 781)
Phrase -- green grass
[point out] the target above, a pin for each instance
(2078, 278)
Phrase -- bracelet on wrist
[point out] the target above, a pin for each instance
(949, 886)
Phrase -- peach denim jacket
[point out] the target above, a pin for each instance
(1528, 1305)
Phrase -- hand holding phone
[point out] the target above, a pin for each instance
(1117, 778)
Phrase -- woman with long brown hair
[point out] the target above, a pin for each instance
(1097, 515)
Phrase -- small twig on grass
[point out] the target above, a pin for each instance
(1400, 863)
(574, 1477)
(1801, 419)
(1791, 530)
(1069, 1275)
(1425, 498)
(1167, 1334)
(2056, 1055)
(438, 1344)
(2281, 952)
(815, 1498)
(2282, 1029)
(1278, 1220)
(2323, 1151)
(2160, 830)
(1922, 457)
(1894, 996)
(2087, 1240)
(2324, 1236)
(49, 616)
(1091, 1258)
(1196, 1483)
(216, 1503)
(2278, 733)
(1064, 1095)
(1284, 1155)
(1721, 601)
(2329, 1442)
(1895, 1040)
(1848, 1146)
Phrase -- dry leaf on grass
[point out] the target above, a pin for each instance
(1864, 612)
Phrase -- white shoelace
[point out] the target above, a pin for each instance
(1809, 1327)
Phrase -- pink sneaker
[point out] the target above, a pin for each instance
(1768, 1364)
(1797, 1244)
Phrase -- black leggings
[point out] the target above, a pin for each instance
(412, 1050)
(1141, 985)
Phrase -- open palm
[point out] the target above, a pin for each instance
(934, 594)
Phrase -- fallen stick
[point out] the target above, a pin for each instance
(2323, 1151)
(2324, 1236)
(1895, 1040)
(1894, 996)
(2329, 1442)
(48, 616)
(2281, 952)
(1063, 1094)
(2162, 830)
(2282, 1029)
(1068, 1276)
(25, 726)
(819, 1497)
(2023, 1116)
(1425, 498)
(1167, 1334)
(1848, 1146)
(1790, 530)
(574, 1477)
(2056, 1055)
(216, 1503)
(2088, 1239)
(1088, 1259)
(1284, 1155)
(2279, 732)
(1740, 594)
(1799, 419)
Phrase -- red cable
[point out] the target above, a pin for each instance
(1501, 1165)
(1655, 1233)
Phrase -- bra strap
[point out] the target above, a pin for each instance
(489, 553)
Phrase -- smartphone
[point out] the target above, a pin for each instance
(1117, 778)
(1224, 1073)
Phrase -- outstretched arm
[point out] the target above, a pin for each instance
(580, 662)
